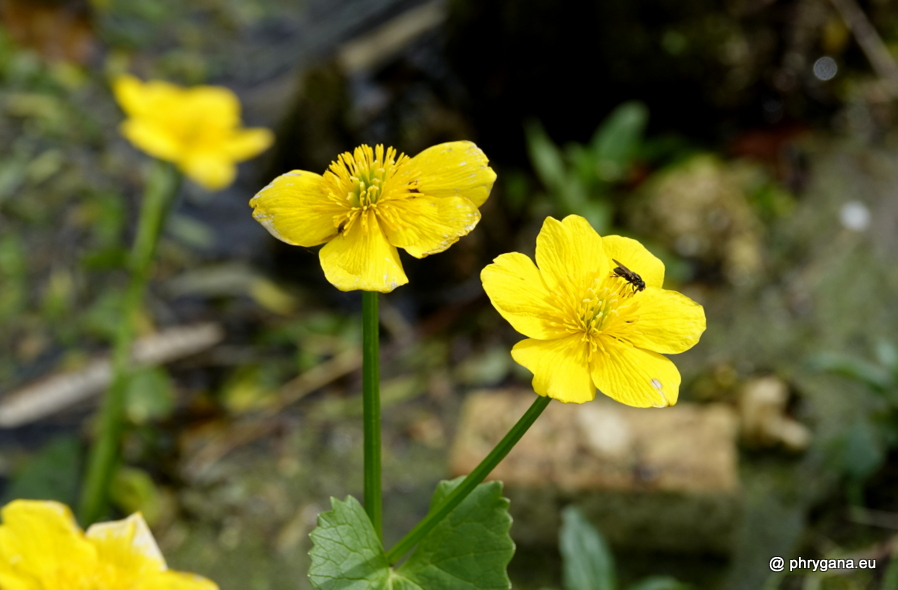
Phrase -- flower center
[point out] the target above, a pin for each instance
(605, 308)
(360, 178)
(598, 307)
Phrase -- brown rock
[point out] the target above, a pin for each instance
(659, 479)
(763, 418)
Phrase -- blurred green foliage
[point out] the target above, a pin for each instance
(867, 443)
(587, 561)
(133, 490)
(50, 474)
(150, 395)
(579, 178)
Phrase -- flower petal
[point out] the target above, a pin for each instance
(516, 289)
(361, 258)
(171, 580)
(294, 209)
(425, 225)
(36, 539)
(570, 254)
(634, 256)
(669, 322)
(635, 377)
(138, 99)
(152, 138)
(455, 169)
(212, 106)
(560, 369)
(247, 143)
(127, 545)
(211, 170)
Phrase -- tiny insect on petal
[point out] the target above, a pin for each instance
(588, 313)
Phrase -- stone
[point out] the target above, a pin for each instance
(654, 479)
(763, 418)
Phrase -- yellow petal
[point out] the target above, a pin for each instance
(140, 99)
(37, 539)
(196, 128)
(149, 99)
(127, 545)
(213, 105)
(248, 143)
(570, 254)
(175, 581)
(128, 92)
(425, 225)
(361, 258)
(634, 256)
(669, 322)
(294, 209)
(560, 369)
(455, 169)
(516, 289)
(635, 377)
(154, 139)
(210, 171)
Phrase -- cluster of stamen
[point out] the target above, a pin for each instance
(358, 181)
(603, 308)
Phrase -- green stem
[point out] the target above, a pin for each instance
(473, 479)
(162, 186)
(371, 409)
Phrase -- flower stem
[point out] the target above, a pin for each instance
(470, 482)
(162, 186)
(371, 409)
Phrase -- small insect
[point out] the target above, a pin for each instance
(628, 275)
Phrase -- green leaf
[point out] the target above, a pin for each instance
(587, 561)
(133, 490)
(598, 213)
(346, 553)
(864, 452)
(660, 583)
(873, 376)
(545, 157)
(890, 577)
(887, 355)
(151, 395)
(51, 474)
(469, 550)
(616, 141)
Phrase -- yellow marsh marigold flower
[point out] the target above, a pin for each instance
(41, 548)
(588, 327)
(198, 129)
(371, 202)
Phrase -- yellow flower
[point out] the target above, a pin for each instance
(198, 129)
(371, 202)
(42, 548)
(588, 327)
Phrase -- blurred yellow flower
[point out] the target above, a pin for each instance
(42, 548)
(198, 129)
(371, 202)
(588, 326)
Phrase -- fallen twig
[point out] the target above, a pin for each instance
(870, 41)
(56, 393)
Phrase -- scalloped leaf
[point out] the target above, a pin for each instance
(469, 550)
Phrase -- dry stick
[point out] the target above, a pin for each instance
(315, 378)
(870, 41)
(54, 394)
